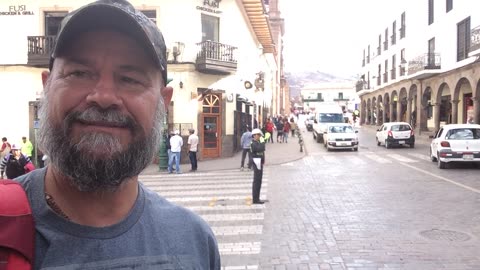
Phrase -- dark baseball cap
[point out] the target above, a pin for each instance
(119, 15)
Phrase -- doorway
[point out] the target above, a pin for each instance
(211, 128)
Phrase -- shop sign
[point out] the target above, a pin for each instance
(16, 10)
(211, 6)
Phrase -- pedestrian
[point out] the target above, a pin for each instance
(102, 108)
(293, 126)
(15, 163)
(27, 147)
(5, 149)
(286, 130)
(269, 127)
(258, 158)
(169, 146)
(246, 142)
(176, 143)
(192, 149)
(279, 127)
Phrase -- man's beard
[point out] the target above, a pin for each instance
(78, 161)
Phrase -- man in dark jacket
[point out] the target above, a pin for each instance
(258, 157)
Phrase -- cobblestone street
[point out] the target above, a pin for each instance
(371, 209)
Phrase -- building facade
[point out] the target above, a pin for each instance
(341, 93)
(423, 67)
(223, 63)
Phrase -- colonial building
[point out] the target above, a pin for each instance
(422, 66)
(341, 93)
(224, 59)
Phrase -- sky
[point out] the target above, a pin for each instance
(330, 35)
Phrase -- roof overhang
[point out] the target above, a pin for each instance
(261, 26)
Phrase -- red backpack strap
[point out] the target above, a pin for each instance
(17, 229)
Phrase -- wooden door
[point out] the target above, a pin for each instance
(211, 127)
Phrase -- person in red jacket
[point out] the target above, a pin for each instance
(269, 127)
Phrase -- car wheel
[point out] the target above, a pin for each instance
(387, 144)
(432, 158)
(441, 164)
(355, 149)
(378, 142)
(412, 145)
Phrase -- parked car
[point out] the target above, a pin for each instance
(309, 122)
(340, 136)
(455, 143)
(395, 133)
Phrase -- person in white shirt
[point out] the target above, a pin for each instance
(176, 142)
(192, 149)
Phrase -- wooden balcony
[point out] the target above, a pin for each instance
(39, 50)
(216, 58)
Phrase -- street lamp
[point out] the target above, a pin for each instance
(163, 151)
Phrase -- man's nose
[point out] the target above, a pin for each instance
(105, 94)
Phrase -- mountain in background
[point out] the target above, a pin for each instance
(297, 80)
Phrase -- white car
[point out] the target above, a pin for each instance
(340, 136)
(395, 133)
(456, 143)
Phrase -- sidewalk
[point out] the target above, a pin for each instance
(276, 153)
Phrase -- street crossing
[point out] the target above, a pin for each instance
(364, 158)
(222, 199)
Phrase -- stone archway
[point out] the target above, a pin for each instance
(426, 109)
(386, 105)
(412, 112)
(476, 104)
(402, 106)
(369, 112)
(380, 110)
(462, 103)
(394, 107)
(363, 113)
(443, 106)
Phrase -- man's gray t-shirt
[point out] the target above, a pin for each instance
(155, 235)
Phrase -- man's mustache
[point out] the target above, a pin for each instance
(98, 116)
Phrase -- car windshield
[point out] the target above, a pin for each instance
(463, 134)
(401, 128)
(330, 118)
(341, 129)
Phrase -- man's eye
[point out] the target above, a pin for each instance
(79, 74)
(130, 80)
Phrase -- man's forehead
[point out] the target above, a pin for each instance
(87, 47)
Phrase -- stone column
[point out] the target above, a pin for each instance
(384, 113)
(436, 115)
(377, 122)
(455, 111)
(409, 111)
(371, 116)
(391, 112)
(399, 110)
(476, 110)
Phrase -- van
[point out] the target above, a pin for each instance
(324, 115)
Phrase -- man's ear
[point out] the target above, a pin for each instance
(167, 93)
(45, 75)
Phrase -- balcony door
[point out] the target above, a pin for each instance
(210, 28)
(52, 22)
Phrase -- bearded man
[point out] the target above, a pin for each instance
(104, 99)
